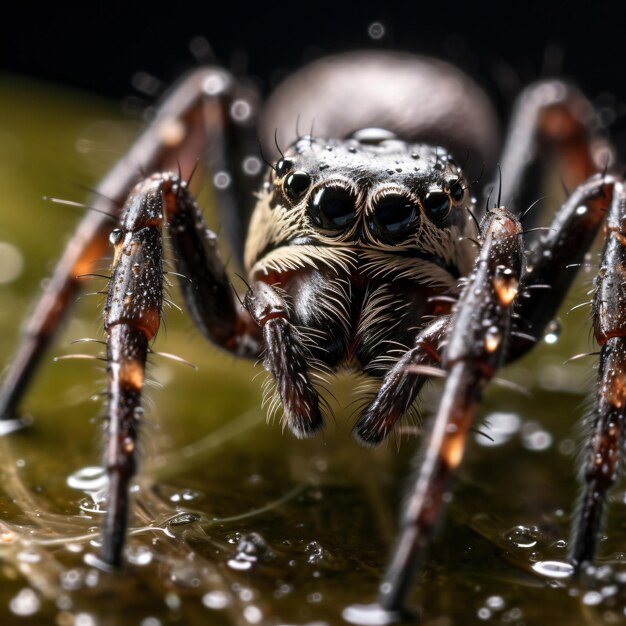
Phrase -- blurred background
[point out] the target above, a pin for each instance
(101, 46)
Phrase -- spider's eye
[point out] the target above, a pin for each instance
(333, 208)
(456, 190)
(296, 184)
(394, 217)
(437, 205)
(283, 166)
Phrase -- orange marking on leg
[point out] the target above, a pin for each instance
(92, 253)
(506, 289)
(131, 374)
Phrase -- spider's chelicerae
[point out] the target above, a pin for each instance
(366, 249)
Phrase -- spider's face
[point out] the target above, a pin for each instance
(370, 193)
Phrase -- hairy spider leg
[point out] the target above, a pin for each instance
(401, 385)
(472, 355)
(193, 121)
(286, 358)
(601, 459)
(132, 315)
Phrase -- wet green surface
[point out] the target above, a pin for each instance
(235, 522)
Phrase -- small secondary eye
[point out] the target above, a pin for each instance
(333, 208)
(296, 184)
(283, 166)
(437, 205)
(394, 217)
(456, 190)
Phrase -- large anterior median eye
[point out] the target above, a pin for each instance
(437, 205)
(333, 208)
(394, 218)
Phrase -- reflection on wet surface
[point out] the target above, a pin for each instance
(234, 523)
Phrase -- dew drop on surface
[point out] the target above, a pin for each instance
(239, 564)
(581, 210)
(216, 600)
(552, 332)
(72, 579)
(84, 619)
(25, 603)
(369, 615)
(522, 537)
(172, 600)
(553, 569)
(495, 603)
(315, 553)
(592, 598)
(140, 556)
(11, 262)
(252, 614)
(92, 478)
(484, 613)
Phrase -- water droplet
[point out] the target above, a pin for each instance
(216, 600)
(252, 165)
(214, 83)
(484, 613)
(221, 180)
(581, 210)
(26, 602)
(140, 556)
(116, 236)
(72, 579)
(315, 553)
(240, 110)
(376, 30)
(314, 598)
(523, 536)
(553, 569)
(92, 478)
(173, 601)
(369, 615)
(496, 603)
(253, 614)
(182, 519)
(592, 598)
(553, 330)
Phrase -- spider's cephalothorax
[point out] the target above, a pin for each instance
(361, 233)
(359, 236)
(362, 252)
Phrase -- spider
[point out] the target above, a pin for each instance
(365, 250)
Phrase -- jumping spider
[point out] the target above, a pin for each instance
(361, 241)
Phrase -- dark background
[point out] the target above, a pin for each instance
(100, 46)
